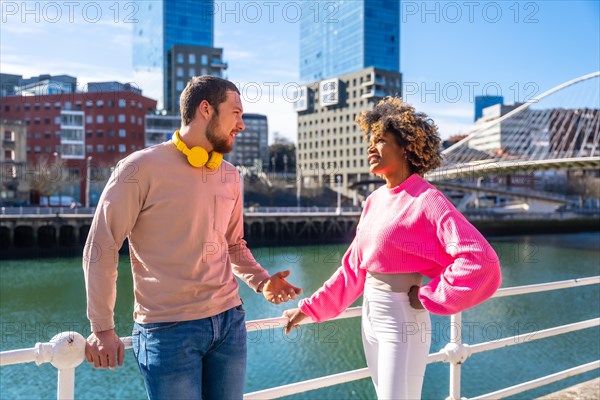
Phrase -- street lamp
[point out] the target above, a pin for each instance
(338, 178)
(88, 180)
(56, 156)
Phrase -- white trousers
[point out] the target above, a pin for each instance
(396, 339)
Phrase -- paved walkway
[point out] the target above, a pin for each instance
(589, 390)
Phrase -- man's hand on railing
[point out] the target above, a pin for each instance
(277, 290)
(105, 349)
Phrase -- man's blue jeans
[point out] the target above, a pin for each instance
(200, 359)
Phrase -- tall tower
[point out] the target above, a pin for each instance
(348, 36)
(172, 41)
(349, 60)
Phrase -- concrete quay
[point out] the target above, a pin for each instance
(589, 390)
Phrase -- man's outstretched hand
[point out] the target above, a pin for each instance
(277, 290)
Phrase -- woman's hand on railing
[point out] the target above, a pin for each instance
(294, 316)
(105, 349)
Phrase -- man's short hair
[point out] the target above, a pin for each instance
(210, 88)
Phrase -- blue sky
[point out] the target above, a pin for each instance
(450, 51)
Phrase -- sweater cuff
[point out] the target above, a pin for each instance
(102, 325)
(257, 279)
(306, 309)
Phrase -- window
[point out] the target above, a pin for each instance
(9, 135)
(37, 149)
(122, 133)
(192, 72)
(110, 119)
(122, 103)
(122, 148)
(204, 59)
(192, 58)
(67, 105)
(140, 122)
(89, 148)
(179, 58)
(99, 134)
(9, 154)
(47, 135)
(89, 134)
(89, 119)
(179, 86)
(132, 119)
(111, 133)
(46, 106)
(46, 121)
(100, 148)
(100, 103)
(122, 118)
(26, 106)
(89, 103)
(110, 148)
(179, 72)
(36, 106)
(99, 119)
(56, 120)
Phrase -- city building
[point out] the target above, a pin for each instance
(165, 35)
(348, 62)
(76, 129)
(359, 34)
(482, 102)
(330, 144)
(9, 84)
(13, 158)
(185, 62)
(251, 147)
(160, 127)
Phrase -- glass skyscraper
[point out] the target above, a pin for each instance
(346, 36)
(160, 26)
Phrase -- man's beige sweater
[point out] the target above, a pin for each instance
(185, 230)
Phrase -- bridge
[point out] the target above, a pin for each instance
(559, 129)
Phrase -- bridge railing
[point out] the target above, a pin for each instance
(66, 351)
(46, 210)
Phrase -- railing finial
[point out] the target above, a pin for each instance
(68, 350)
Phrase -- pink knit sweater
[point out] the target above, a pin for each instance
(412, 228)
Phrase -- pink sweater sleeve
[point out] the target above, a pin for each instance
(339, 291)
(473, 274)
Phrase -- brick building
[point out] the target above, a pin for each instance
(66, 129)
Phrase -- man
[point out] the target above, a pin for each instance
(181, 211)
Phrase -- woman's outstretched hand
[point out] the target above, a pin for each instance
(294, 316)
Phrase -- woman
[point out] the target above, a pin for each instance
(407, 229)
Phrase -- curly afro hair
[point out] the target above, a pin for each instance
(414, 131)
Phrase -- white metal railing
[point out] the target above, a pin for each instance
(65, 351)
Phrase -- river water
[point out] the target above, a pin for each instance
(41, 297)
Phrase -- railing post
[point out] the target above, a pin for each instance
(456, 353)
(67, 353)
(65, 389)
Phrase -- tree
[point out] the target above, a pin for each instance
(282, 155)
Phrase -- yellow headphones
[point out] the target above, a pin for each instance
(197, 156)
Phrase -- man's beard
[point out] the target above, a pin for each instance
(220, 144)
